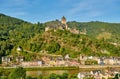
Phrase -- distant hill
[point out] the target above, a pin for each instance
(8, 23)
(11, 20)
(101, 39)
(94, 29)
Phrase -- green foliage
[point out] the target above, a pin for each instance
(4, 73)
(63, 51)
(65, 76)
(91, 62)
(5, 48)
(40, 77)
(96, 28)
(53, 47)
(56, 76)
(117, 76)
(53, 76)
(73, 77)
(17, 73)
(28, 77)
(88, 78)
(3, 77)
(64, 42)
(0, 60)
(14, 32)
(29, 56)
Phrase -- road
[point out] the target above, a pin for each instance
(99, 66)
(80, 66)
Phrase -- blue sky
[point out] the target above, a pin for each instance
(74, 10)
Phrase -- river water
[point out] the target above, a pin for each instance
(48, 72)
(36, 73)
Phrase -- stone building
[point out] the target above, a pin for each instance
(64, 22)
(57, 25)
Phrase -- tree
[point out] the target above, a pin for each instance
(53, 76)
(28, 77)
(0, 60)
(3, 77)
(40, 77)
(53, 47)
(18, 73)
(63, 51)
(65, 76)
(117, 76)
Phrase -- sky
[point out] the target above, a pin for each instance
(74, 10)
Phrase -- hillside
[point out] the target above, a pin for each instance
(63, 42)
(13, 31)
(102, 39)
(95, 29)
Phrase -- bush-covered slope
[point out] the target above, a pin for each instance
(64, 42)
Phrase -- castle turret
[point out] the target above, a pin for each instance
(63, 21)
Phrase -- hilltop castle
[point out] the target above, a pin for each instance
(57, 25)
(63, 26)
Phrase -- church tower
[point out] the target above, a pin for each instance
(63, 21)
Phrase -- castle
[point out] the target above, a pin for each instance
(63, 21)
(63, 26)
(57, 25)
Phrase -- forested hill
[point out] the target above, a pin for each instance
(9, 20)
(101, 38)
(7, 24)
(99, 30)
(14, 31)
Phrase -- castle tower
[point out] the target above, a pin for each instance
(63, 21)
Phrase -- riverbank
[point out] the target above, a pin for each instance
(98, 67)
(81, 67)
